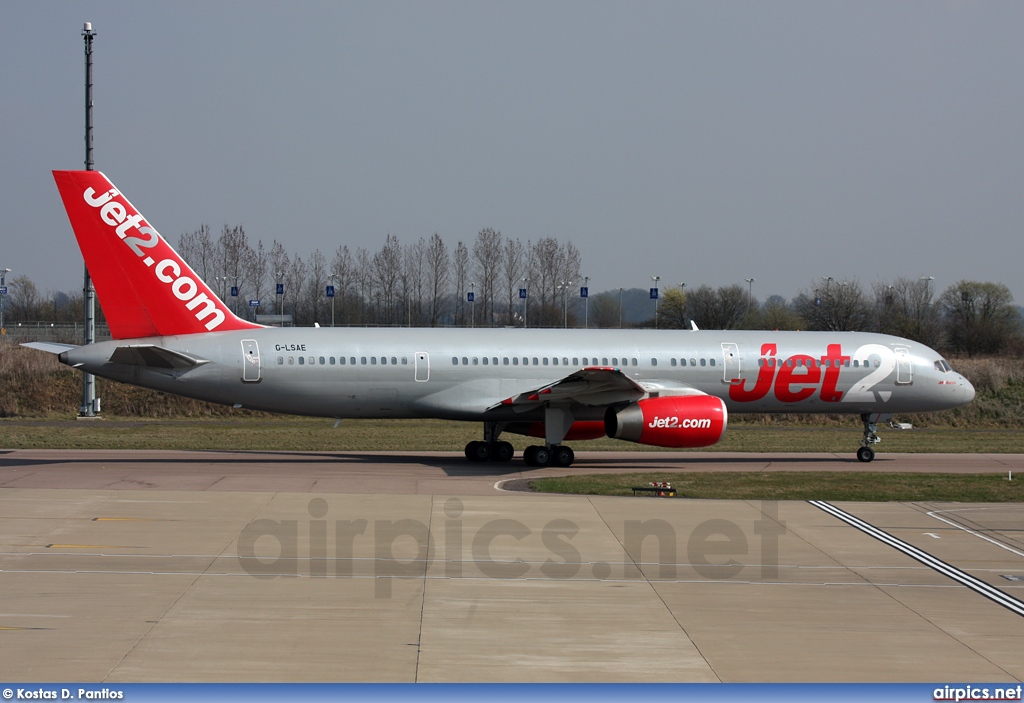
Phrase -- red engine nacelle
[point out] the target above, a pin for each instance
(674, 421)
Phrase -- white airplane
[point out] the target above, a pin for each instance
(668, 388)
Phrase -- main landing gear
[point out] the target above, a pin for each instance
(866, 453)
(557, 422)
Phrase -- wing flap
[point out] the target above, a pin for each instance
(596, 385)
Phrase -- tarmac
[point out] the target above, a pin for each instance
(140, 566)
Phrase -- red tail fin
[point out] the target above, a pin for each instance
(145, 288)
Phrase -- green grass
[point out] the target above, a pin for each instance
(311, 434)
(810, 485)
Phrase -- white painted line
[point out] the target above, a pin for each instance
(976, 585)
(972, 532)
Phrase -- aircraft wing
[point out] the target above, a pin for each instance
(590, 386)
(49, 347)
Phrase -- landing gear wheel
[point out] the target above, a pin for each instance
(536, 456)
(502, 451)
(478, 451)
(865, 454)
(562, 456)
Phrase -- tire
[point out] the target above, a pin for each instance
(865, 454)
(502, 452)
(529, 456)
(542, 456)
(562, 456)
(478, 451)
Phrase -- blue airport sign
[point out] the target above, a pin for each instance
(469, 297)
(330, 291)
(3, 290)
(234, 291)
(654, 293)
(280, 289)
(254, 303)
(584, 291)
(522, 293)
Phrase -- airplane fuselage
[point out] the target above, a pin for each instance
(461, 374)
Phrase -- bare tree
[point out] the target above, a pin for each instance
(487, 255)
(199, 251)
(316, 282)
(364, 283)
(343, 269)
(835, 306)
(256, 262)
(512, 261)
(980, 317)
(295, 281)
(721, 309)
(233, 245)
(905, 309)
(387, 269)
(438, 276)
(461, 271)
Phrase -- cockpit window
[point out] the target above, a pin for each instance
(943, 366)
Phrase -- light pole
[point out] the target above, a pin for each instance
(566, 285)
(280, 298)
(472, 304)
(90, 403)
(750, 291)
(654, 294)
(3, 296)
(526, 299)
(332, 278)
(928, 286)
(586, 303)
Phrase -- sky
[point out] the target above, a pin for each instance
(702, 142)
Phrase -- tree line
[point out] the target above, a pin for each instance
(427, 283)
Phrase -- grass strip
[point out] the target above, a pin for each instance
(793, 485)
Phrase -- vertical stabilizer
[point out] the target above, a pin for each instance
(144, 287)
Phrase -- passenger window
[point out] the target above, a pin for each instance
(322, 360)
(526, 361)
(554, 361)
(352, 360)
(703, 362)
(711, 362)
(291, 360)
(604, 361)
(341, 360)
(405, 361)
(373, 361)
(362, 360)
(394, 361)
(302, 361)
(280, 362)
(332, 361)
(485, 361)
(312, 360)
(615, 361)
(576, 361)
(455, 361)
(476, 361)
(515, 361)
(504, 361)
(565, 361)
(545, 361)
(494, 360)
(654, 362)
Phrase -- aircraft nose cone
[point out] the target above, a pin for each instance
(968, 390)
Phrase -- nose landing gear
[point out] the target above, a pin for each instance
(866, 453)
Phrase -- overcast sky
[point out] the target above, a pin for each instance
(705, 142)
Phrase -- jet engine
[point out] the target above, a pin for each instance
(673, 421)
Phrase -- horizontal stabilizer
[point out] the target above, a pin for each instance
(50, 347)
(154, 357)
